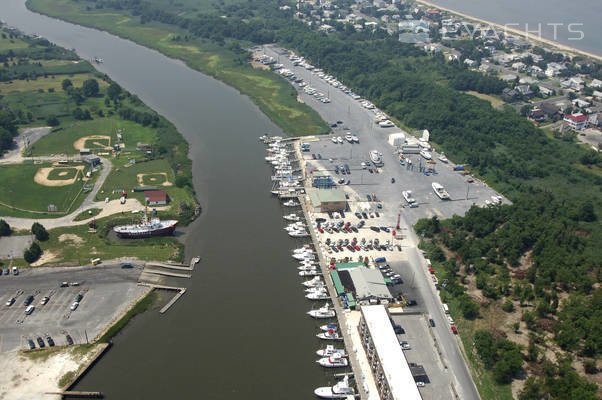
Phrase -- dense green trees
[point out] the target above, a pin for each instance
(4, 228)
(32, 253)
(500, 355)
(39, 231)
(90, 88)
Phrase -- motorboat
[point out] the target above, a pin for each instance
(334, 140)
(295, 227)
(304, 249)
(440, 191)
(313, 282)
(355, 139)
(349, 138)
(307, 268)
(443, 159)
(407, 195)
(313, 272)
(330, 350)
(339, 140)
(334, 361)
(314, 288)
(291, 217)
(328, 327)
(298, 233)
(426, 155)
(290, 203)
(386, 124)
(322, 312)
(330, 335)
(339, 391)
(376, 158)
(318, 295)
(304, 256)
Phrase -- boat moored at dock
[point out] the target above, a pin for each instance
(341, 390)
(322, 312)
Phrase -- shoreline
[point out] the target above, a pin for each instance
(521, 33)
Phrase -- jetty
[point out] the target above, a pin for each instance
(91, 395)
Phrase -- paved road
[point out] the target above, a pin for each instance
(359, 120)
(26, 137)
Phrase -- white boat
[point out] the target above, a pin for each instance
(440, 191)
(330, 350)
(304, 256)
(318, 295)
(314, 288)
(328, 327)
(334, 140)
(290, 203)
(407, 195)
(292, 217)
(334, 361)
(339, 140)
(301, 250)
(297, 226)
(349, 138)
(330, 335)
(426, 155)
(386, 124)
(376, 158)
(313, 272)
(322, 312)
(313, 282)
(339, 391)
(442, 158)
(355, 139)
(299, 233)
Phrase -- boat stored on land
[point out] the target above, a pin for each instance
(407, 195)
(440, 191)
(376, 158)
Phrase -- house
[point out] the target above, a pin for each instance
(597, 95)
(537, 115)
(581, 103)
(486, 68)
(432, 48)
(544, 91)
(510, 93)
(503, 58)
(574, 83)
(535, 71)
(508, 77)
(518, 66)
(595, 119)
(524, 90)
(414, 25)
(549, 109)
(144, 147)
(527, 80)
(155, 197)
(596, 83)
(471, 63)
(554, 69)
(577, 121)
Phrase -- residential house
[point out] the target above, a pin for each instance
(471, 63)
(554, 69)
(537, 115)
(597, 95)
(577, 121)
(549, 109)
(486, 68)
(544, 91)
(595, 120)
(518, 66)
(510, 94)
(535, 71)
(414, 25)
(508, 77)
(527, 80)
(524, 90)
(581, 103)
(596, 83)
(432, 48)
(574, 83)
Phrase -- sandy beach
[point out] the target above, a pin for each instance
(514, 31)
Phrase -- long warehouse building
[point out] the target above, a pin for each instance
(392, 373)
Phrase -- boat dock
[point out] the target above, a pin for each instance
(91, 395)
(167, 273)
(181, 267)
(171, 302)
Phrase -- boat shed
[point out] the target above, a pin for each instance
(337, 282)
(392, 373)
(325, 200)
(369, 284)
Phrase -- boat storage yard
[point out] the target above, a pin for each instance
(344, 208)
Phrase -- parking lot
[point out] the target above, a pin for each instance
(106, 292)
(423, 352)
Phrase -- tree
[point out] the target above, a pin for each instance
(90, 87)
(52, 120)
(4, 228)
(66, 84)
(113, 91)
(32, 253)
(39, 231)
(508, 306)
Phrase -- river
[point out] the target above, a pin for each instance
(241, 330)
(550, 17)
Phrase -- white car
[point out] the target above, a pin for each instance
(74, 306)
(420, 384)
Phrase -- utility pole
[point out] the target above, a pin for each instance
(467, 188)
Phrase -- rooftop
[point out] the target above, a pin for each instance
(319, 196)
(394, 364)
(369, 283)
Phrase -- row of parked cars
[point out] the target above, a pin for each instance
(50, 341)
(6, 271)
(31, 308)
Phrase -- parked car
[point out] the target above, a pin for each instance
(50, 341)
(31, 344)
(74, 306)
(15, 271)
(28, 300)
(29, 310)
(127, 265)
(79, 298)
(40, 342)
(69, 340)
(454, 330)
(432, 322)
(6, 271)
(10, 302)
(44, 300)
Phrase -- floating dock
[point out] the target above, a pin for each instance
(92, 395)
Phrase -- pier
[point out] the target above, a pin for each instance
(181, 267)
(91, 395)
(167, 273)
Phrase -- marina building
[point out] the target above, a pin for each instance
(155, 197)
(392, 373)
(325, 200)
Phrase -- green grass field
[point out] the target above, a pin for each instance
(59, 174)
(154, 179)
(18, 189)
(157, 248)
(96, 144)
(274, 95)
(53, 82)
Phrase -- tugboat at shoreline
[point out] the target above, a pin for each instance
(146, 228)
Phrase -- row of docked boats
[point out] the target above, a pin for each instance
(281, 158)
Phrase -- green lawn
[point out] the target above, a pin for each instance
(18, 189)
(92, 245)
(274, 95)
(59, 174)
(54, 82)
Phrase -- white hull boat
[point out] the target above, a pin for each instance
(330, 350)
(304, 256)
(322, 313)
(290, 203)
(313, 282)
(313, 272)
(339, 140)
(443, 159)
(298, 234)
(334, 361)
(339, 391)
(356, 139)
(328, 327)
(440, 191)
(317, 296)
(334, 140)
(329, 336)
(292, 217)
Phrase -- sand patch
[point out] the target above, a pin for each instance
(46, 257)
(140, 177)
(80, 143)
(63, 173)
(41, 177)
(70, 237)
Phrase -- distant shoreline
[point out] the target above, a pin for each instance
(515, 31)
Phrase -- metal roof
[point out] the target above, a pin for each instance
(369, 283)
(393, 362)
(319, 196)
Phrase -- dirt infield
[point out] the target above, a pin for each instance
(140, 177)
(81, 142)
(41, 177)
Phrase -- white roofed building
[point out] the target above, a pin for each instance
(392, 374)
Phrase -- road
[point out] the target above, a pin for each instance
(361, 121)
